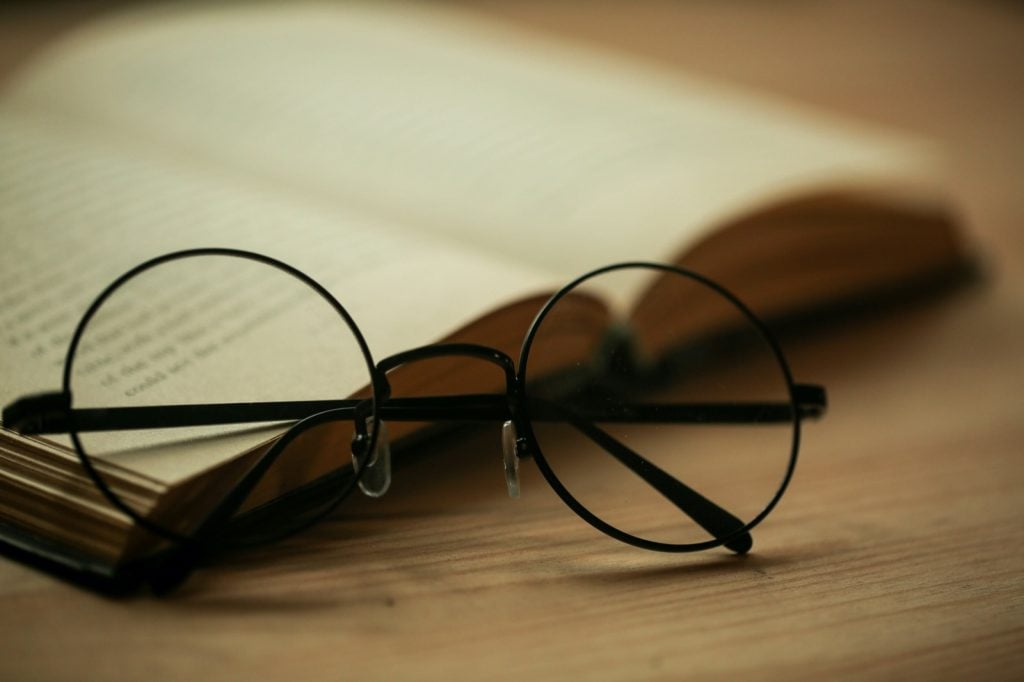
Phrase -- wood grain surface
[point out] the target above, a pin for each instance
(897, 553)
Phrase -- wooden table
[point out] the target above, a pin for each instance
(899, 551)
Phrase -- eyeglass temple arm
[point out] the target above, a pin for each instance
(708, 515)
(48, 413)
(717, 521)
(52, 413)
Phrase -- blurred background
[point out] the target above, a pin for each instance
(950, 69)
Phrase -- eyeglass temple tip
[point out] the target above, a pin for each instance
(37, 413)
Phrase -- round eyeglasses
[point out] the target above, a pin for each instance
(654, 402)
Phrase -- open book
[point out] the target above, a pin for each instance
(440, 175)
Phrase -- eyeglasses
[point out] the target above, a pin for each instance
(657, 406)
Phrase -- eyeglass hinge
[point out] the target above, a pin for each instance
(811, 400)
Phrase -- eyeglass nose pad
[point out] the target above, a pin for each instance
(510, 456)
(376, 479)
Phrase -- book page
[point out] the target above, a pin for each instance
(77, 210)
(548, 154)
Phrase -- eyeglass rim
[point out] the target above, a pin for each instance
(566, 496)
(281, 443)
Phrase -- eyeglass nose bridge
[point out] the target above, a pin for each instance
(512, 444)
(492, 355)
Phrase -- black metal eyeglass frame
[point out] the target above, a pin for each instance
(54, 413)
